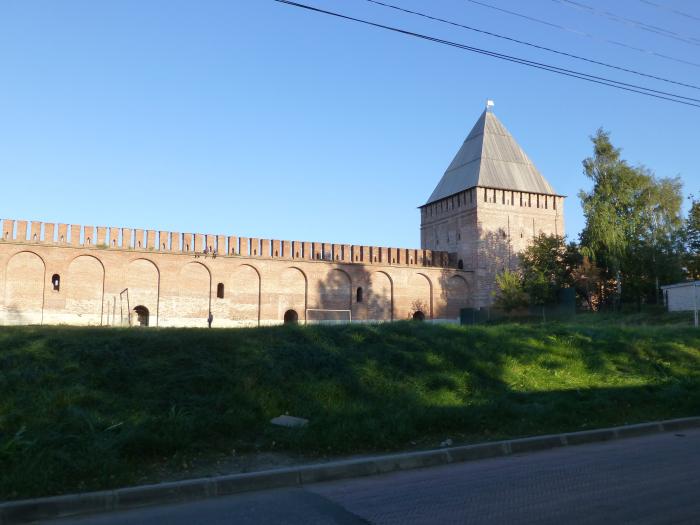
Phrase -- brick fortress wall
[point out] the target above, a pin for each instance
(72, 274)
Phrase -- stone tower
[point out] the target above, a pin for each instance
(488, 206)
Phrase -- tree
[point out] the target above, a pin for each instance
(547, 266)
(633, 225)
(588, 282)
(511, 295)
(691, 238)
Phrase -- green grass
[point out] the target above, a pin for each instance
(91, 408)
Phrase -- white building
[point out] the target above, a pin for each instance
(682, 297)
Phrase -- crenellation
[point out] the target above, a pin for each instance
(62, 234)
(127, 238)
(175, 242)
(139, 241)
(8, 230)
(365, 254)
(209, 242)
(221, 248)
(21, 234)
(75, 234)
(88, 236)
(151, 243)
(244, 246)
(35, 232)
(49, 232)
(101, 236)
(164, 241)
(114, 237)
(198, 245)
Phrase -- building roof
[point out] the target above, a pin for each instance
(490, 157)
(681, 285)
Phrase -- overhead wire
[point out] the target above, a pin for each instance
(537, 65)
(585, 34)
(671, 9)
(580, 6)
(530, 44)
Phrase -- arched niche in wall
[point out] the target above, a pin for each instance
(244, 294)
(335, 291)
(457, 296)
(420, 295)
(292, 293)
(143, 283)
(194, 292)
(84, 289)
(380, 297)
(24, 289)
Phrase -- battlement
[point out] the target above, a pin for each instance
(209, 245)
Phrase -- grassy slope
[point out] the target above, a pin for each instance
(87, 408)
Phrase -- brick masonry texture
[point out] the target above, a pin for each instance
(484, 230)
(82, 275)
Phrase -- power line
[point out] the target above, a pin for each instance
(587, 35)
(530, 44)
(537, 65)
(580, 6)
(671, 9)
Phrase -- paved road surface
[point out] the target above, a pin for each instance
(653, 479)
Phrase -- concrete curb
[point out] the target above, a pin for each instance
(24, 511)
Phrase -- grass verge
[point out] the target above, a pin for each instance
(93, 408)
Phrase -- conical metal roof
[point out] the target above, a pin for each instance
(490, 157)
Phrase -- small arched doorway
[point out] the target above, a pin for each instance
(141, 315)
(418, 316)
(291, 317)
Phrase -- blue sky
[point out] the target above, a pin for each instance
(252, 118)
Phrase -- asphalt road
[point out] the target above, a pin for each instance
(652, 479)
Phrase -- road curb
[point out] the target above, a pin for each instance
(24, 511)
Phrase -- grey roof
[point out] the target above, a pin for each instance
(490, 157)
(681, 285)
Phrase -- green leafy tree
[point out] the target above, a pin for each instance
(548, 264)
(633, 225)
(510, 295)
(691, 234)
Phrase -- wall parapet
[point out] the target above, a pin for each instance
(208, 245)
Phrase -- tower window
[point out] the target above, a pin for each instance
(359, 294)
(460, 264)
(56, 282)
(220, 290)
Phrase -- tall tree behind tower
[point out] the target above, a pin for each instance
(633, 224)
